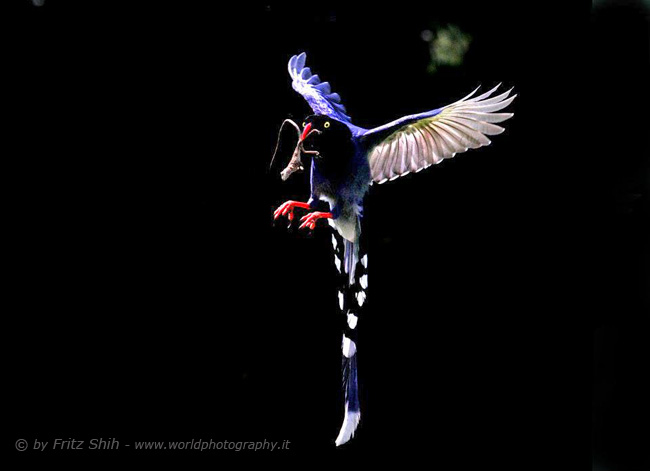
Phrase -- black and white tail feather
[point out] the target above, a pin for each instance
(352, 263)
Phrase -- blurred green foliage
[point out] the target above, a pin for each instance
(447, 45)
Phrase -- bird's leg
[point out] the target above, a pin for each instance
(286, 209)
(309, 220)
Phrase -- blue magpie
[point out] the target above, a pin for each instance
(347, 159)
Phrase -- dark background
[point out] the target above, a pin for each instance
(621, 262)
(152, 298)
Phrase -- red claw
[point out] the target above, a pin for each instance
(286, 209)
(309, 220)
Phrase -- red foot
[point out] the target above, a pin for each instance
(287, 208)
(311, 218)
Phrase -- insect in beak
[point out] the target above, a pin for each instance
(305, 132)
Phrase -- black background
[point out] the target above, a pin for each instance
(153, 298)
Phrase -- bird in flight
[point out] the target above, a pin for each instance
(346, 159)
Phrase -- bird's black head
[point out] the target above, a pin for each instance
(331, 138)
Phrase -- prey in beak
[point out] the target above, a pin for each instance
(295, 164)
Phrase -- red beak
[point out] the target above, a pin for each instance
(305, 131)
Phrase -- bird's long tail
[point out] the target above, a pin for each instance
(352, 263)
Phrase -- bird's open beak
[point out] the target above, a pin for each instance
(305, 132)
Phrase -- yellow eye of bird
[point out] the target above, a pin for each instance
(326, 125)
(304, 123)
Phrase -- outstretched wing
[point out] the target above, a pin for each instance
(318, 94)
(415, 142)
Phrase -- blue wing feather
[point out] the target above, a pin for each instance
(318, 94)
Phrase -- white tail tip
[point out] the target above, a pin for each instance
(349, 426)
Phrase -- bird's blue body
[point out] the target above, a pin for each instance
(342, 184)
(346, 159)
